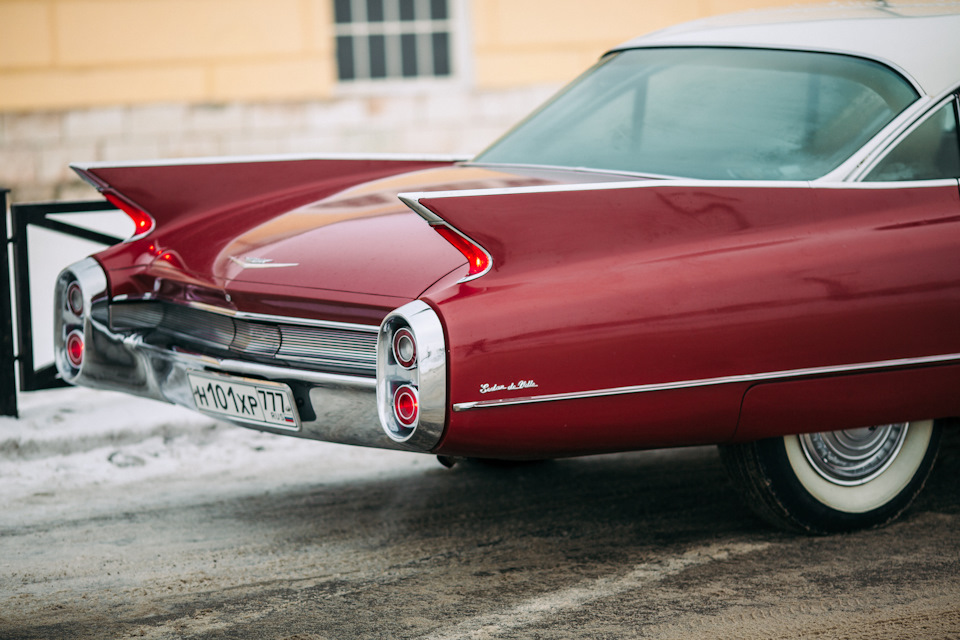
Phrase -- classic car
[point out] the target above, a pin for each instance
(742, 232)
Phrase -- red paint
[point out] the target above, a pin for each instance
(836, 402)
(589, 289)
(339, 222)
(673, 283)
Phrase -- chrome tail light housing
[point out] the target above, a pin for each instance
(412, 376)
(79, 288)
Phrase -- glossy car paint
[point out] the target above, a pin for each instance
(617, 314)
(323, 239)
(681, 284)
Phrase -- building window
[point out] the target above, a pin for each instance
(393, 39)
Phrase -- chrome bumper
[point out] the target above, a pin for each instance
(333, 407)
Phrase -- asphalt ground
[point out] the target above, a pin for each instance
(177, 527)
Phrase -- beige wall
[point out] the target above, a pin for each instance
(118, 80)
(63, 54)
(75, 53)
(528, 41)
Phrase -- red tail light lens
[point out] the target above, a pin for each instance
(142, 221)
(75, 348)
(406, 405)
(477, 258)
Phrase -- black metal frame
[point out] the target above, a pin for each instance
(8, 377)
(21, 217)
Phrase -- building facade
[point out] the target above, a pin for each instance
(116, 80)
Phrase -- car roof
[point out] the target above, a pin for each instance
(919, 39)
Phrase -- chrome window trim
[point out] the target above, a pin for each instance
(848, 170)
(881, 186)
(709, 382)
(877, 153)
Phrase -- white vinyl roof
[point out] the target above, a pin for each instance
(921, 39)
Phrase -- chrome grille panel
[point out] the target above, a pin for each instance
(331, 347)
(328, 345)
(193, 325)
(256, 338)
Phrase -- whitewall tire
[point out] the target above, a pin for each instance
(835, 481)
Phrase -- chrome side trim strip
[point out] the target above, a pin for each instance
(412, 197)
(708, 382)
(292, 157)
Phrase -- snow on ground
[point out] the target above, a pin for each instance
(73, 440)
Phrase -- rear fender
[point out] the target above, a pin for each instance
(533, 228)
(668, 299)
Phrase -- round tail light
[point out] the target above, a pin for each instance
(406, 405)
(75, 299)
(75, 348)
(404, 348)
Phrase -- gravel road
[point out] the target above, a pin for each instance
(193, 529)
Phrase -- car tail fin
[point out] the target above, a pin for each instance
(530, 228)
(164, 192)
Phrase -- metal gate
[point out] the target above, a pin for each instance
(16, 356)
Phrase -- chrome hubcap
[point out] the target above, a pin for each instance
(854, 456)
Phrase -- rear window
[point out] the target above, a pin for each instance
(712, 113)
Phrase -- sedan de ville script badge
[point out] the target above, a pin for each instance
(513, 386)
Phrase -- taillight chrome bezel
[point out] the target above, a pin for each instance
(78, 290)
(411, 365)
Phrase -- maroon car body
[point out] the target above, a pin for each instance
(529, 309)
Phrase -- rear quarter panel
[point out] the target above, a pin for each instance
(650, 284)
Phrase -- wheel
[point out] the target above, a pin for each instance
(837, 480)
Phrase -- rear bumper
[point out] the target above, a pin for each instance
(332, 407)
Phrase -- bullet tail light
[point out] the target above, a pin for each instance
(406, 406)
(404, 348)
(143, 222)
(75, 299)
(479, 261)
(411, 377)
(74, 348)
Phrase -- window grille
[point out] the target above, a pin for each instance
(393, 39)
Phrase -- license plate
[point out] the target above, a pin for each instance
(255, 401)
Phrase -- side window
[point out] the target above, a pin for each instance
(929, 152)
